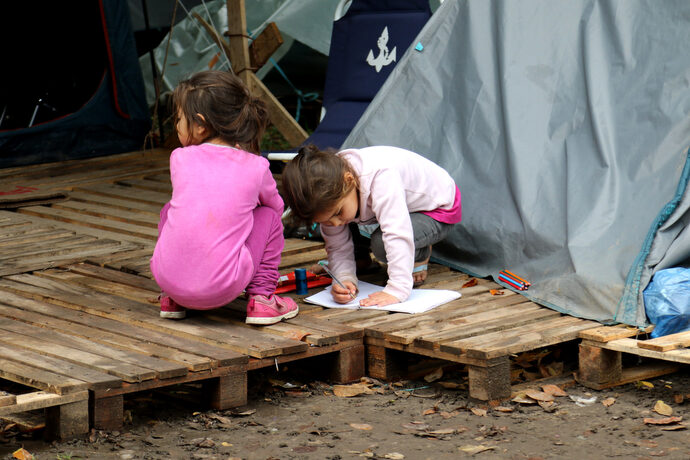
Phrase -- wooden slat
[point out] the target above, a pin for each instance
(41, 400)
(608, 333)
(84, 196)
(667, 342)
(632, 346)
(107, 212)
(38, 378)
(129, 193)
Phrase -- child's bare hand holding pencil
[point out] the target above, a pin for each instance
(344, 293)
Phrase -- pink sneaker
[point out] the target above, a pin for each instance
(170, 309)
(270, 310)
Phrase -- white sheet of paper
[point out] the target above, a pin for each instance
(420, 300)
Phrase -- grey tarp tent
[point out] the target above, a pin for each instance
(566, 126)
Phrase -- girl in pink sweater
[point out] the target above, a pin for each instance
(221, 233)
(414, 201)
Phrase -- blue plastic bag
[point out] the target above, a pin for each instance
(667, 301)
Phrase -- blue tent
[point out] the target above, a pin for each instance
(72, 85)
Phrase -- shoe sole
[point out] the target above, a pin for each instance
(263, 321)
(173, 314)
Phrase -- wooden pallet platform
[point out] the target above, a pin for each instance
(602, 350)
(101, 327)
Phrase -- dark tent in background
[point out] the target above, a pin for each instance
(71, 85)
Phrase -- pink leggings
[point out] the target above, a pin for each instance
(265, 244)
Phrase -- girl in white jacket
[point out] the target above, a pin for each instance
(414, 201)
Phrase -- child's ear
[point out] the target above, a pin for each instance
(348, 178)
(199, 129)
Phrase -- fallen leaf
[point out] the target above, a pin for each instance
(582, 401)
(553, 390)
(496, 292)
(548, 406)
(662, 421)
(296, 335)
(503, 409)
(225, 444)
(662, 408)
(478, 411)
(361, 426)
(402, 394)
(22, 454)
(678, 398)
(522, 398)
(435, 375)
(429, 411)
(470, 449)
(394, 456)
(447, 415)
(608, 402)
(348, 391)
(470, 283)
(418, 426)
(538, 395)
(678, 427)
(450, 385)
(443, 431)
(244, 413)
(644, 385)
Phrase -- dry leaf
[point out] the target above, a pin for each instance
(470, 283)
(548, 406)
(443, 431)
(523, 399)
(361, 426)
(553, 390)
(538, 395)
(662, 408)
(447, 415)
(678, 427)
(450, 385)
(503, 409)
(470, 449)
(435, 375)
(608, 402)
(496, 292)
(402, 394)
(678, 398)
(348, 391)
(429, 411)
(478, 411)
(245, 413)
(394, 456)
(297, 335)
(662, 421)
(418, 426)
(644, 385)
(22, 454)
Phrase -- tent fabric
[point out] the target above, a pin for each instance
(565, 124)
(75, 89)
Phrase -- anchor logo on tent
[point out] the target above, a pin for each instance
(385, 57)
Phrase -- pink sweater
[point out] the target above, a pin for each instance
(393, 183)
(200, 258)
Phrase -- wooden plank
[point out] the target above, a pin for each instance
(218, 356)
(144, 184)
(93, 222)
(41, 399)
(245, 341)
(129, 193)
(120, 342)
(114, 276)
(35, 235)
(37, 378)
(263, 46)
(83, 196)
(95, 379)
(608, 333)
(302, 259)
(667, 342)
(7, 399)
(72, 349)
(106, 212)
(84, 230)
(297, 245)
(632, 346)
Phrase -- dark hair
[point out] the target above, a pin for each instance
(314, 181)
(228, 109)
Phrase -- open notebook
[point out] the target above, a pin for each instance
(420, 300)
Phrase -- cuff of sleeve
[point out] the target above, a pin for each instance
(400, 294)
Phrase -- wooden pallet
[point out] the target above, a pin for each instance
(480, 330)
(66, 413)
(602, 350)
(101, 327)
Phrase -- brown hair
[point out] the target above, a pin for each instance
(227, 108)
(314, 181)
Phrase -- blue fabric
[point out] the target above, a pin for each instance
(667, 301)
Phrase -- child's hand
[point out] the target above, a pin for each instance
(341, 295)
(379, 298)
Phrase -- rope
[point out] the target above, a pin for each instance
(301, 96)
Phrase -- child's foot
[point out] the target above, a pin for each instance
(170, 309)
(270, 310)
(419, 272)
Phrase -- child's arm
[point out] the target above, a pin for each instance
(389, 204)
(341, 256)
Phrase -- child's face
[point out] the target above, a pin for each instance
(342, 213)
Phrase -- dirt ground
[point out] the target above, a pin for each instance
(291, 414)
